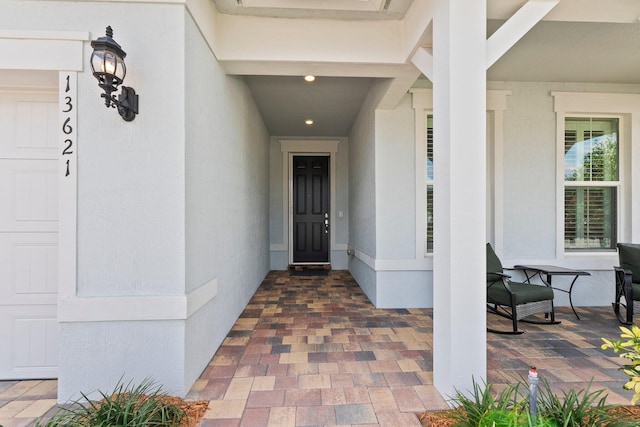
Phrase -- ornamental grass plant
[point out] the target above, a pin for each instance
(483, 407)
(127, 406)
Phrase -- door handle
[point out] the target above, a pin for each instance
(326, 223)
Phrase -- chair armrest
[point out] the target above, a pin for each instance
(505, 276)
(622, 270)
(502, 279)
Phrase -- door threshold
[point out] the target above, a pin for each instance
(310, 266)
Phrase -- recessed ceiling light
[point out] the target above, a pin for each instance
(309, 78)
(308, 122)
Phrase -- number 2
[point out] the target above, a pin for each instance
(67, 149)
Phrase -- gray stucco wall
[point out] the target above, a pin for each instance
(530, 164)
(130, 198)
(362, 201)
(396, 182)
(227, 198)
(155, 216)
(528, 176)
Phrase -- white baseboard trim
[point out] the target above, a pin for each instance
(136, 308)
(424, 264)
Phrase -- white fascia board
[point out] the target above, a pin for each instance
(298, 68)
(611, 11)
(366, 5)
(251, 38)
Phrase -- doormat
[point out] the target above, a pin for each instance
(309, 272)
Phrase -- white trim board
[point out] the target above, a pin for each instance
(42, 50)
(136, 308)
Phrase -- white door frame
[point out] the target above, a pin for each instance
(290, 148)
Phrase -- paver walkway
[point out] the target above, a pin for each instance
(312, 350)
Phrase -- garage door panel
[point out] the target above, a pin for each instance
(31, 274)
(35, 342)
(36, 125)
(30, 190)
(29, 125)
(28, 234)
(31, 342)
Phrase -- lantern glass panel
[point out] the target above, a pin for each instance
(121, 69)
(97, 61)
(110, 63)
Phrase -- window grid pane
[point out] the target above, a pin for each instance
(429, 184)
(429, 149)
(590, 218)
(591, 149)
(429, 219)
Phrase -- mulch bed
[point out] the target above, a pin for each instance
(443, 419)
(194, 409)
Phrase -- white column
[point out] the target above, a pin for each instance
(459, 103)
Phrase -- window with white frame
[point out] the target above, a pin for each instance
(428, 179)
(591, 183)
(423, 106)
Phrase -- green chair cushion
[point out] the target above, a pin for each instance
(629, 255)
(524, 293)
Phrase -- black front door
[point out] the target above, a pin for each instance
(310, 209)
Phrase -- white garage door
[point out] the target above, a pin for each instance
(28, 234)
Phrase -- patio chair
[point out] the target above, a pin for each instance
(515, 300)
(627, 282)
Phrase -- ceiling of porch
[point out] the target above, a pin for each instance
(552, 51)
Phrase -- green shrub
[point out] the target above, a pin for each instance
(127, 406)
(582, 408)
(631, 347)
(474, 408)
(510, 408)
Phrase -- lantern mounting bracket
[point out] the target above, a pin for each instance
(127, 102)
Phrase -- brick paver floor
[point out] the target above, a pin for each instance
(312, 350)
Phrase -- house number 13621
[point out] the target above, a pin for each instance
(68, 117)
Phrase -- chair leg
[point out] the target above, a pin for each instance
(495, 309)
(629, 293)
(624, 289)
(514, 314)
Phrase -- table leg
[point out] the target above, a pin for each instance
(548, 283)
(569, 292)
(570, 300)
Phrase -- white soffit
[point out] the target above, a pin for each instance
(355, 5)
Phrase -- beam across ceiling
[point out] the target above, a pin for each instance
(515, 27)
